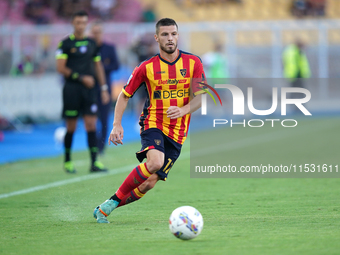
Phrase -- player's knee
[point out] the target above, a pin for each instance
(90, 127)
(155, 164)
(90, 123)
(71, 129)
(71, 125)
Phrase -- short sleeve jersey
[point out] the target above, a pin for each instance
(80, 54)
(168, 84)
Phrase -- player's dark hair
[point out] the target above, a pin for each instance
(165, 22)
(80, 14)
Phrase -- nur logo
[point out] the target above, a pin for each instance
(203, 86)
(239, 99)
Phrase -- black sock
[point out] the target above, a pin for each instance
(67, 145)
(114, 197)
(92, 143)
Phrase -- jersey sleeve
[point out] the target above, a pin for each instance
(136, 79)
(96, 55)
(61, 52)
(198, 78)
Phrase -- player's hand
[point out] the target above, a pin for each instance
(105, 97)
(88, 81)
(175, 112)
(116, 135)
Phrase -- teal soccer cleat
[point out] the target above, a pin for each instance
(102, 211)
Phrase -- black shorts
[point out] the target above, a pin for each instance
(77, 99)
(154, 138)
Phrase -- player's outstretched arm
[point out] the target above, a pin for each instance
(175, 112)
(117, 133)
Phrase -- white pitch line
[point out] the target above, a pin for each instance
(65, 182)
(233, 145)
(77, 179)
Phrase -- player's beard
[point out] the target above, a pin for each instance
(169, 51)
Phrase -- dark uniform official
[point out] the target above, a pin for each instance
(79, 61)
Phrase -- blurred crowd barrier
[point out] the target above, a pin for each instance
(35, 96)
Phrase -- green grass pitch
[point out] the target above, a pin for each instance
(241, 215)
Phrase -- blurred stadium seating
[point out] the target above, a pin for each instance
(232, 10)
(59, 12)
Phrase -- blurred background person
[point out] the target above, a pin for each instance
(104, 8)
(110, 62)
(303, 8)
(149, 14)
(26, 66)
(299, 8)
(216, 67)
(295, 64)
(36, 10)
(318, 7)
(79, 61)
(215, 62)
(143, 48)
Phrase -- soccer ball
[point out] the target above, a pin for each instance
(59, 135)
(186, 222)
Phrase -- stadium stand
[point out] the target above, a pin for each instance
(47, 11)
(20, 12)
(218, 10)
(245, 10)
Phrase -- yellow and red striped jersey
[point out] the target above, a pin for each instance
(168, 84)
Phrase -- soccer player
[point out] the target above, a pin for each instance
(171, 78)
(79, 61)
(110, 63)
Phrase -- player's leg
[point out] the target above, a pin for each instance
(138, 176)
(140, 191)
(172, 152)
(71, 124)
(90, 108)
(155, 160)
(90, 126)
(71, 106)
(153, 150)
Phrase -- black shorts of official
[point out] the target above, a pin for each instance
(154, 138)
(77, 99)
